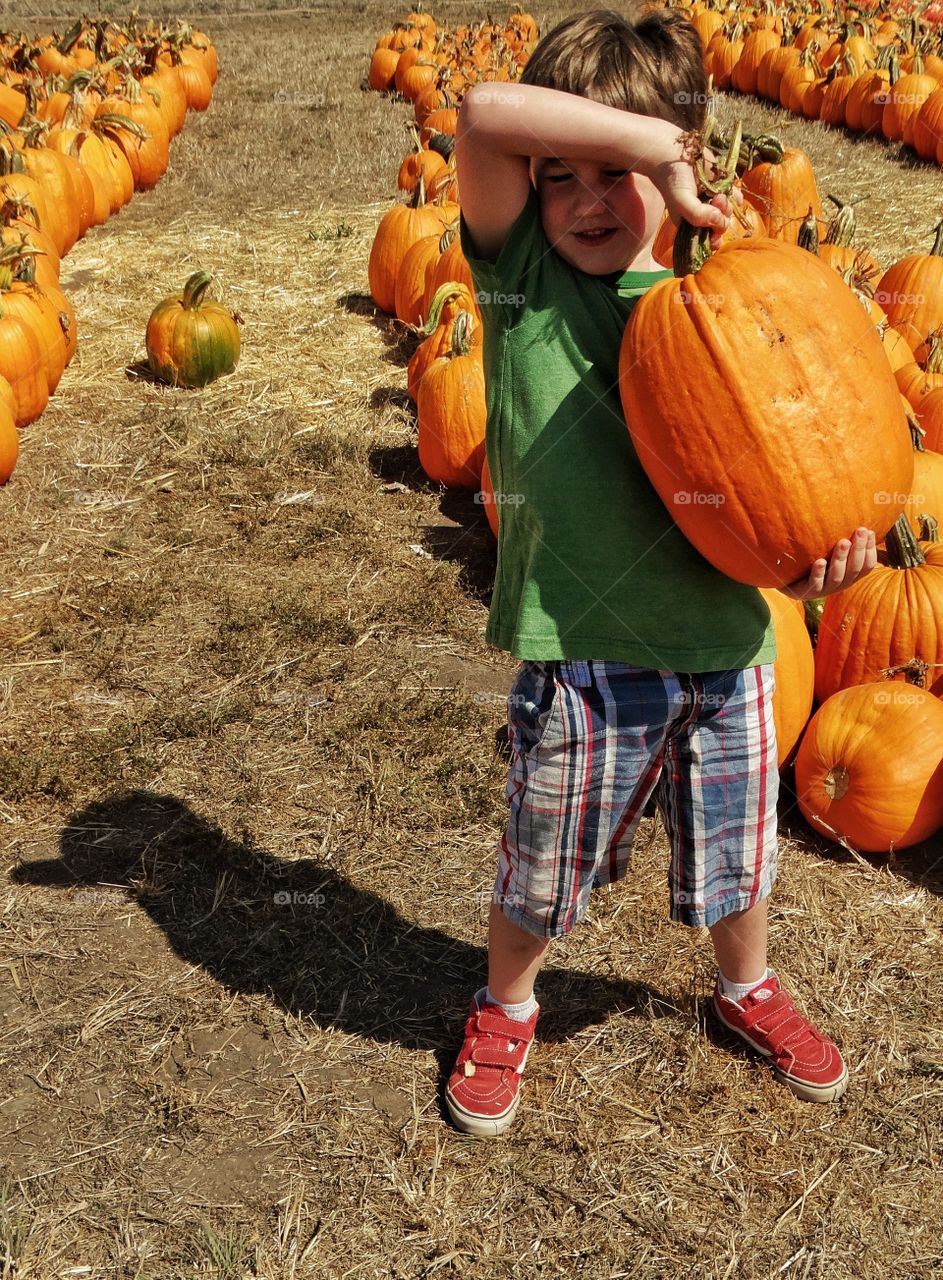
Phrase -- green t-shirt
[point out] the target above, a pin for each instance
(590, 563)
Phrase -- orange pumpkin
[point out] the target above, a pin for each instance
(744, 463)
(794, 671)
(870, 767)
(451, 413)
(400, 228)
(911, 292)
(783, 191)
(888, 618)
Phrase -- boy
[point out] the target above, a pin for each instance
(641, 665)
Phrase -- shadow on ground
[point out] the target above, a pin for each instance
(400, 342)
(318, 944)
(920, 864)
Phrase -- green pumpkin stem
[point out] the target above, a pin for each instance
(194, 290)
(442, 295)
(460, 335)
(929, 528)
(903, 549)
(841, 228)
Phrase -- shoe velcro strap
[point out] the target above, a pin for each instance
(779, 1003)
(494, 1022)
(490, 1055)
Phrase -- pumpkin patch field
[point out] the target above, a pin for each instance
(251, 781)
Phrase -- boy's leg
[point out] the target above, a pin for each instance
(719, 800)
(740, 944)
(572, 812)
(514, 959)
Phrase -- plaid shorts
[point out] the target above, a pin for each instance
(591, 742)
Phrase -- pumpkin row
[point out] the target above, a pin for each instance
(87, 120)
(876, 73)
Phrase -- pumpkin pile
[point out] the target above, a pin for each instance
(875, 69)
(86, 119)
(878, 642)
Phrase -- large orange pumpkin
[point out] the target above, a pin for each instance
(870, 767)
(741, 383)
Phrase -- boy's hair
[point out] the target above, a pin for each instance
(650, 62)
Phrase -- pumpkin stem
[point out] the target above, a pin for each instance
(460, 335)
(929, 528)
(194, 289)
(903, 549)
(445, 293)
(937, 247)
(914, 672)
(841, 228)
(934, 359)
(808, 237)
(692, 246)
(813, 616)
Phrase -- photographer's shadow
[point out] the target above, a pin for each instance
(298, 930)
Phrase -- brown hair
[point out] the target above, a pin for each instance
(649, 62)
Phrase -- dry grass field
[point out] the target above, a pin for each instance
(249, 801)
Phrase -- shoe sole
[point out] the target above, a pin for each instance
(481, 1126)
(801, 1088)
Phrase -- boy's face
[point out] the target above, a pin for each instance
(598, 219)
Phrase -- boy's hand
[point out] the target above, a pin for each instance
(849, 561)
(677, 185)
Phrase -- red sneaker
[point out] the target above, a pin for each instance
(801, 1056)
(484, 1088)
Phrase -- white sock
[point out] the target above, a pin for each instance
(740, 990)
(516, 1012)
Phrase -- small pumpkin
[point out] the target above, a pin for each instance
(191, 341)
(870, 766)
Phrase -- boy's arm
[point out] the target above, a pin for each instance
(502, 125)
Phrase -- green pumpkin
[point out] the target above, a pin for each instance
(190, 341)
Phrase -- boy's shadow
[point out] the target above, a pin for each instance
(321, 946)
